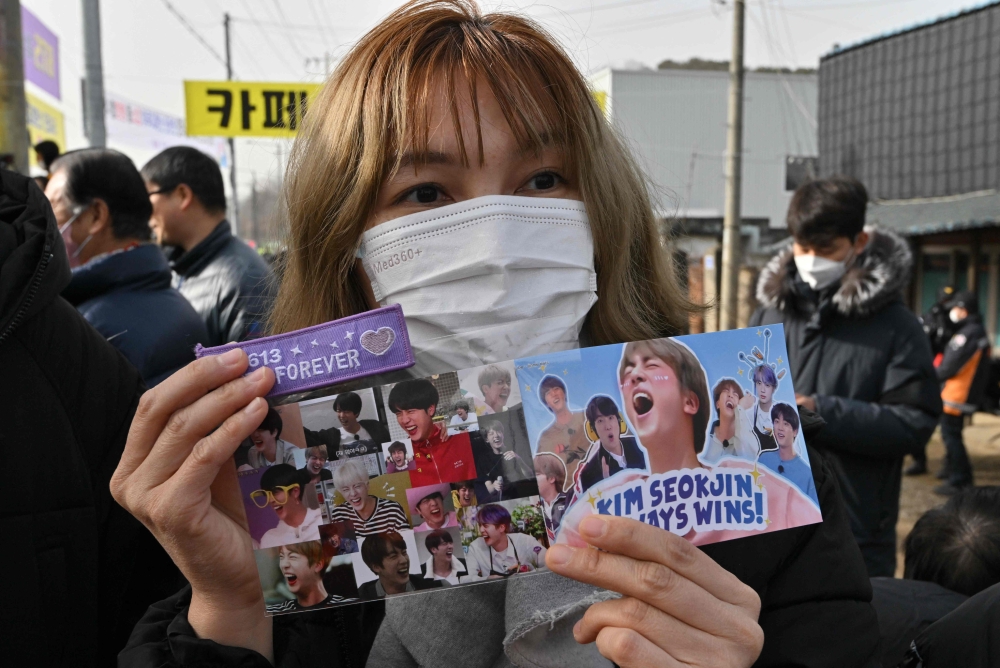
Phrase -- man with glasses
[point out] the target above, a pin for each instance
(225, 280)
(281, 487)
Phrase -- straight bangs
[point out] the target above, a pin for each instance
(539, 92)
(374, 113)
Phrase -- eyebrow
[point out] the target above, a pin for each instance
(410, 158)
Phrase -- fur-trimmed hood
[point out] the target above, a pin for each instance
(876, 278)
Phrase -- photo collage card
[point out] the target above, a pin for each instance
(471, 475)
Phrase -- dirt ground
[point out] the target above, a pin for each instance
(982, 440)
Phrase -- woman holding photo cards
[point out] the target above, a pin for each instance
(457, 164)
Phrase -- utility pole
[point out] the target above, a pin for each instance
(253, 208)
(13, 112)
(731, 251)
(235, 222)
(93, 83)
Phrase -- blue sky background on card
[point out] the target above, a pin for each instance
(591, 371)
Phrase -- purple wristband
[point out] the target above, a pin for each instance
(361, 345)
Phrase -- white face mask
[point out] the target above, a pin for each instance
(955, 315)
(820, 272)
(487, 279)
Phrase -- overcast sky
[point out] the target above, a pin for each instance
(148, 53)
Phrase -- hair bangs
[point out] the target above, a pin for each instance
(455, 58)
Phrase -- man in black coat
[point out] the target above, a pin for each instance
(225, 280)
(122, 286)
(80, 569)
(964, 369)
(858, 357)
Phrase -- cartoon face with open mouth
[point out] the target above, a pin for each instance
(495, 438)
(299, 575)
(728, 400)
(652, 395)
(416, 423)
(263, 440)
(432, 510)
(356, 494)
(497, 392)
(555, 399)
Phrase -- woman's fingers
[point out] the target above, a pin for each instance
(684, 643)
(641, 541)
(182, 388)
(202, 466)
(190, 424)
(630, 649)
(649, 581)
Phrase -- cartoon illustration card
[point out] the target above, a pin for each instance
(471, 475)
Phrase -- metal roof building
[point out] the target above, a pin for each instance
(915, 115)
(675, 122)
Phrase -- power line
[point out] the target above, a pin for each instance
(267, 36)
(194, 33)
(283, 20)
(315, 15)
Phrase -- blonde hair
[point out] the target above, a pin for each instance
(349, 472)
(376, 105)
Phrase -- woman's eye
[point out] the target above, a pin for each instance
(423, 195)
(543, 181)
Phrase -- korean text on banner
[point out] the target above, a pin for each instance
(44, 122)
(41, 54)
(244, 109)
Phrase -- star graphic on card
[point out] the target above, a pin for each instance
(349, 336)
(295, 350)
(334, 345)
(314, 343)
(778, 360)
(740, 372)
(592, 500)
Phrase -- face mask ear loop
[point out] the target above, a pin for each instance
(76, 214)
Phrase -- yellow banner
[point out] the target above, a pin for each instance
(44, 122)
(245, 109)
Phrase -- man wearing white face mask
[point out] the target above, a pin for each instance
(121, 283)
(858, 356)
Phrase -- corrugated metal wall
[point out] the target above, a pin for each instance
(675, 122)
(916, 114)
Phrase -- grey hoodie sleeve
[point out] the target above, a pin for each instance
(903, 418)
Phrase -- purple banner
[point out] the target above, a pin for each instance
(41, 54)
(361, 345)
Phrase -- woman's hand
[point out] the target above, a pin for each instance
(679, 607)
(177, 476)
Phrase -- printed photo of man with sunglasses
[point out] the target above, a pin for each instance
(281, 487)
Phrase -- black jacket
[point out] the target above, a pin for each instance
(904, 609)
(228, 284)
(964, 367)
(864, 357)
(127, 297)
(593, 473)
(367, 590)
(80, 570)
(969, 636)
(815, 601)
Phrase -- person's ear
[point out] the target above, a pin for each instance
(318, 567)
(97, 218)
(186, 196)
(691, 403)
(376, 569)
(861, 241)
(431, 410)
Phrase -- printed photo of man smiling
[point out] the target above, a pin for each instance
(664, 390)
(438, 457)
(302, 565)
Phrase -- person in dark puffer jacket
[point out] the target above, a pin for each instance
(225, 280)
(122, 287)
(80, 570)
(857, 355)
